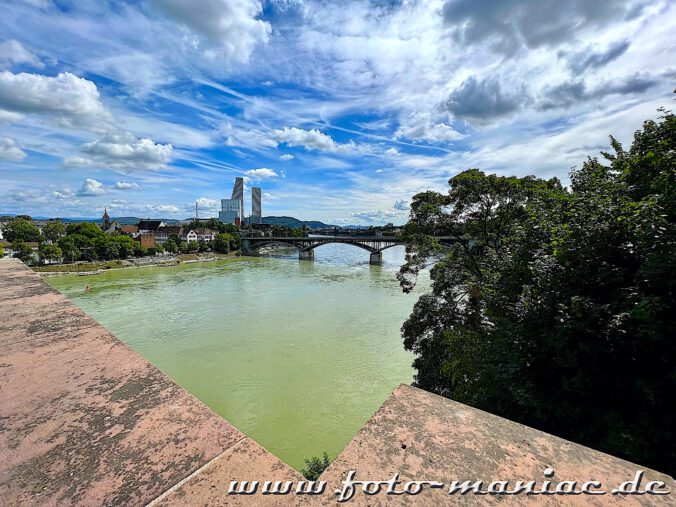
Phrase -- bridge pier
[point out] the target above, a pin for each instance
(376, 258)
(306, 255)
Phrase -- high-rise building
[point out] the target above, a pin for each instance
(231, 211)
(238, 195)
(256, 206)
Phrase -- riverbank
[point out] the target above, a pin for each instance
(97, 267)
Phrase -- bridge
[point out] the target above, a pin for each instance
(306, 245)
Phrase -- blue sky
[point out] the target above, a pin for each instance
(340, 111)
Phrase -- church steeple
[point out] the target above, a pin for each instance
(105, 220)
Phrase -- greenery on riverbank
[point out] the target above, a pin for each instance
(81, 267)
(95, 266)
(559, 313)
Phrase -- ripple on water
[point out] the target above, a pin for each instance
(297, 355)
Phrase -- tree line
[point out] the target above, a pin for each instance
(556, 306)
(86, 242)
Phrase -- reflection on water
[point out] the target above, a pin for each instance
(296, 354)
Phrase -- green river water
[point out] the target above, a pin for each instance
(296, 354)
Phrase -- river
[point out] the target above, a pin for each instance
(296, 354)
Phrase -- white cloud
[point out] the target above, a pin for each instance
(377, 215)
(9, 150)
(401, 205)
(12, 52)
(163, 208)
(123, 185)
(123, 151)
(269, 197)
(312, 139)
(64, 194)
(91, 187)
(207, 204)
(262, 173)
(286, 156)
(308, 139)
(72, 100)
(9, 117)
(228, 28)
(421, 127)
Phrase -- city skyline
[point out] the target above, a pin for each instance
(340, 114)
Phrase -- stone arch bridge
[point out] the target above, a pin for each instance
(306, 245)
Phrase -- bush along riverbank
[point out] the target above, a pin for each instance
(94, 267)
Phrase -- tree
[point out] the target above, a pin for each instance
(23, 252)
(106, 247)
(126, 246)
(69, 249)
(555, 308)
(170, 246)
(315, 467)
(49, 252)
(222, 243)
(53, 231)
(2, 251)
(86, 229)
(21, 230)
(192, 246)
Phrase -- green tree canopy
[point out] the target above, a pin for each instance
(106, 247)
(222, 243)
(69, 248)
(49, 252)
(555, 307)
(54, 230)
(21, 230)
(23, 252)
(86, 229)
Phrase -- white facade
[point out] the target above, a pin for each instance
(231, 210)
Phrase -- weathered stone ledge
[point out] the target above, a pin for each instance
(84, 420)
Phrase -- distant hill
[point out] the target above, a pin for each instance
(292, 222)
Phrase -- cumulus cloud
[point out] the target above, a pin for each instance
(230, 28)
(309, 139)
(123, 151)
(286, 156)
(484, 100)
(508, 25)
(207, 204)
(312, 139)
(124, 185)
(569, 93)
(163, 208)
(421, 127)
(591, 58)
(91, 187)
(74, 101)
(262, 173)
(9, 150)
(12, 52)
(377, 215)
(401, 205)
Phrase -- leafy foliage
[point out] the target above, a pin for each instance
(315, 467)
(21, 230)
(49, 252)
(54, 230)
(23, 252)
(555, 306)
